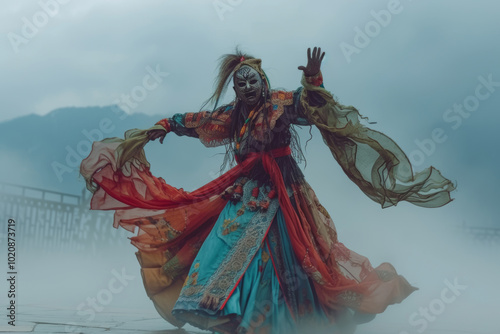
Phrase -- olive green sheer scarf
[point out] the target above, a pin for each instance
(129, 150)
(369, 158)
(372, 160)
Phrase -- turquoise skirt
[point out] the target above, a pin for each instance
(246, 279)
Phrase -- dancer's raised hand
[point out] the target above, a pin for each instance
(313, 62)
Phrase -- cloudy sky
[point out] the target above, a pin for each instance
(427, 72)
(425, 55)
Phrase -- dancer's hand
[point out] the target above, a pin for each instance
(157, 133)
(313, 62)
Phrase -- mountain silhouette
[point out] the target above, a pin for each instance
(46, 151)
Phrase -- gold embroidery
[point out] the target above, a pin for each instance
(350, 298)
(230, 226)
(385, 275)
(265, 256)
(193, 278)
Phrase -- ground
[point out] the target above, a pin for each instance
(44, 319)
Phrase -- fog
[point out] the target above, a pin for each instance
(410, 75)
(429, 254)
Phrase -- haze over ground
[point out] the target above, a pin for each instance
(426, 72)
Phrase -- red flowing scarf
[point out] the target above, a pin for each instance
(158, 195)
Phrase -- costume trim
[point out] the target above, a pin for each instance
(315, 80)
(212, 130)
(165, 123)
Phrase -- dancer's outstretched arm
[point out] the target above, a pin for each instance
(212, 128)
(313, 76)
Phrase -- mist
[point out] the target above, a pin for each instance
(426, 72)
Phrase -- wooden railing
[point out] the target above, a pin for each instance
(55, 221)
